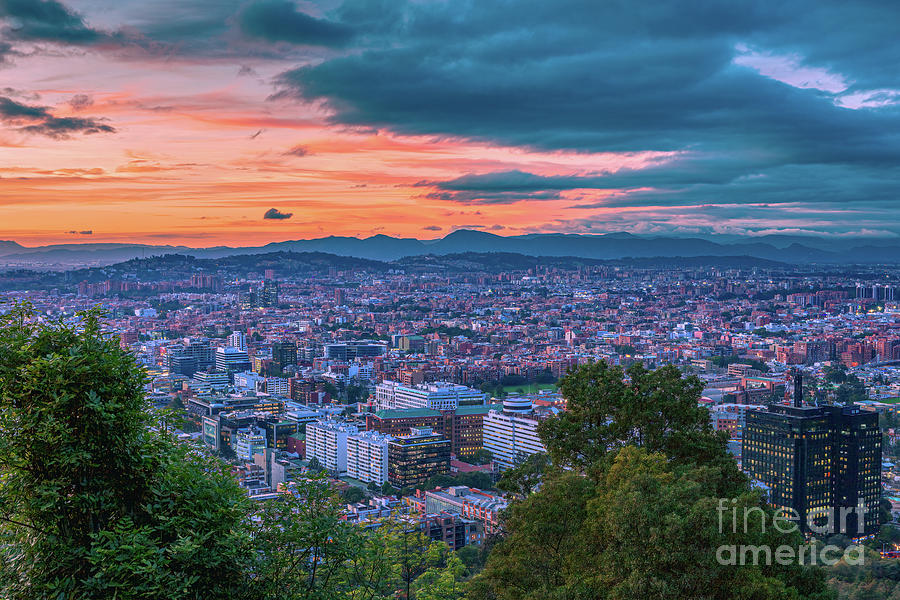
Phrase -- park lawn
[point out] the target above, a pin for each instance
(890, 400)
(529, 388)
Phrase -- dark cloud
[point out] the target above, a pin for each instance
(274, 213)
(297, 151)
(432, 228)
(39, 120)
(81, 101)
(46, 21)
(83, 232)
(588, 76)
(6, 52)
(281, 21)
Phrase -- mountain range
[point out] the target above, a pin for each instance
(783, 248)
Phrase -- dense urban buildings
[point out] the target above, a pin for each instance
(388, 380)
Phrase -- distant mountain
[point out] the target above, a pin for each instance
(9, 247)
(792, 249)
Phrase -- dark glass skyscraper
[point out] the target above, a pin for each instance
(820, 461)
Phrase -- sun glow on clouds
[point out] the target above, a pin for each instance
(201, 153)
(187, 128)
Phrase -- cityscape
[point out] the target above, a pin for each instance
(449, 300)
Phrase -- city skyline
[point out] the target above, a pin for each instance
(238, 123)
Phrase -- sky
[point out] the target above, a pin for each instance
(209, 122)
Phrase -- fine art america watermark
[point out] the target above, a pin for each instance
(754, 520)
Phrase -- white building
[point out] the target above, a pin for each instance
(231, 359)
(247, 381)
(326, 441)
(248, 442)
(237, 340)
(435, 396)
(511, 434)
(367, 457)
(278, 386)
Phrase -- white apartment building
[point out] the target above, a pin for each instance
(511, 434)
(434, 396)
(237, 340)
(367, 457)
(326, 441)
(278, 386)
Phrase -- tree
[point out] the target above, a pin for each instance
(353, 494)
(656, 410)
(645, 528)
(626, 506)
(482, 456)
(92, 498)
(303, 546)
(314, 465)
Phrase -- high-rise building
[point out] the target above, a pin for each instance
(283, 354)
(511, 433)
(367, 457)
(231, 359)
(820, 461)
(267, 296)
(248, 442)
(326, 441)
(463, 426)
(416, 457)
(238, 340)
(339, 296)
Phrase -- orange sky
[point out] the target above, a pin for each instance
(186, 121)
(201, 166)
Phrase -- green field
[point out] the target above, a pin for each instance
(528, 388)
(890, 400)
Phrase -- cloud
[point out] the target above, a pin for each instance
(280, 21)
(749, 99)
(83, 232)
(39, 120)
(297, 151)
(274, 213)
(81, 101)
(46, 21)
(432, 228)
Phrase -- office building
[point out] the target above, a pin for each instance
(283, 355)
(417, 456)
(820, 461)
(231, 359)
(348, 351)
(511, 433)
(474, 504)
(238, 340)
(434, 396)
(248, 442)
(463, 426)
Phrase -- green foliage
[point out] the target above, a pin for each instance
(724, 361)
(524, 478)
(644, 528)
(656, 410)
(353, 494)
(85, 478)
(98, 501)
(482, 456)
(624, 506)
